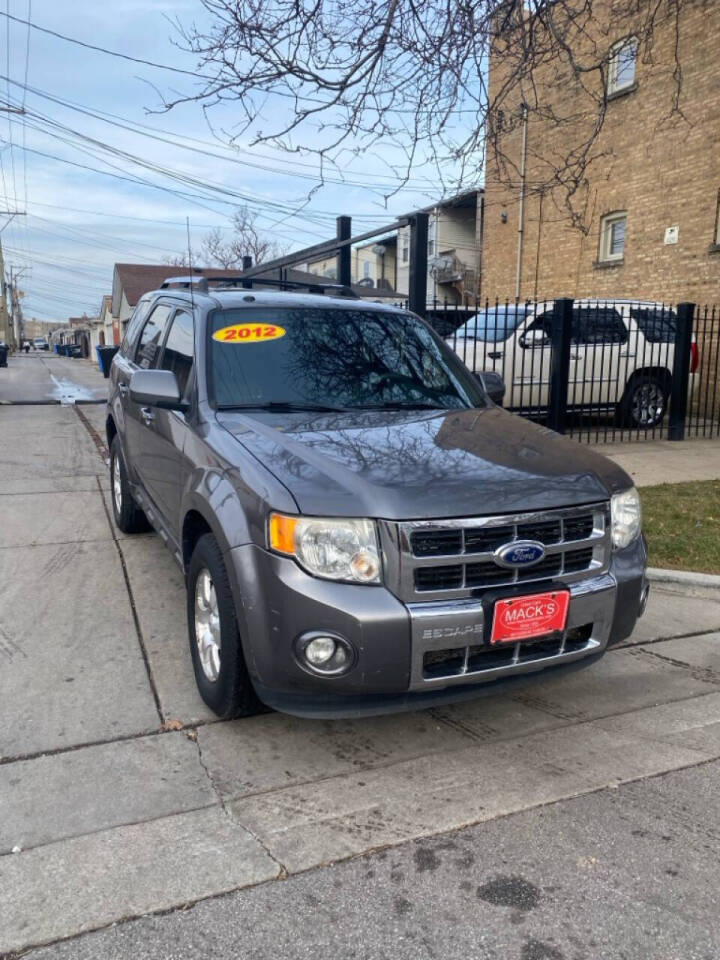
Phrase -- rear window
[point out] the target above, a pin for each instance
(657, 325)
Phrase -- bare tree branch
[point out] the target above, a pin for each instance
(325, 77)
(245, 240)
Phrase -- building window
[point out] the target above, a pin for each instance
(405, 248)
(612, 236)
(621, 68)
(366, 269)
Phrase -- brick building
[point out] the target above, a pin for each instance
(647, 205)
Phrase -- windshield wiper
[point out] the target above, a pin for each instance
(402, 406)
(276, 406)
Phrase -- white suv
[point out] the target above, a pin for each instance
(621, 357)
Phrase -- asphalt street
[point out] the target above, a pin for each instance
(41, 376)
(574, 819)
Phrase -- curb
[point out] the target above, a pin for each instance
(687, 577)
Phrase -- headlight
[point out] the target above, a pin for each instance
(626, 517)
(328, 547)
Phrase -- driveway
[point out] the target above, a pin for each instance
(122, 796)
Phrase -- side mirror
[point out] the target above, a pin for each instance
(534, 338)
(156, 388)
(494, 386)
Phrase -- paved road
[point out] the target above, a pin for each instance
(44, 377)
(549, 808)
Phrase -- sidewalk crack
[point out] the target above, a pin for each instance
(224, 806)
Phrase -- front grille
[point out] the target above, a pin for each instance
(433, 542)
(439, 578)
(457, 556)
(578, 528)
(460, 661)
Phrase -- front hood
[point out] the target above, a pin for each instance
(402, 465)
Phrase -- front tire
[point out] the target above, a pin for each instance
(128, 515)
(644, 403)
(220, 672)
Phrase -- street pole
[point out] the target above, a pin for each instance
(5, 331)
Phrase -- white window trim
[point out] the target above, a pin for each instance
(606, 255)
(612, 77)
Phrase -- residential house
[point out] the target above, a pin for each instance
(454, 243)
(644, 220)
(106, 321)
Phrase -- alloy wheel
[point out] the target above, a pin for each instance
(648, 405)
(207, 625)
(117, 485)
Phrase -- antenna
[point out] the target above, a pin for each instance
(192, 296)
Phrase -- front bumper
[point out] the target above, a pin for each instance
(277, 602)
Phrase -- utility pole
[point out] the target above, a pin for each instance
(5, 329)
(16, 307)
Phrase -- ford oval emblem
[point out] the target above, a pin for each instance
(522, 553)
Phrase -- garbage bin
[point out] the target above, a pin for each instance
(75, 350)
(3, 354)
(105, 355)
(57, 348)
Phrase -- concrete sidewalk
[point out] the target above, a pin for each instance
(125, 796)
(661, 461)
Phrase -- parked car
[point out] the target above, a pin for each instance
(40, 343)
(361, 529)
(621, 358)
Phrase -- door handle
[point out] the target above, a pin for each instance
(496, 355)
(624, 355)
(147, 415)
(122, 389)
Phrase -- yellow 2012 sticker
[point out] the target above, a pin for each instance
(249, 333)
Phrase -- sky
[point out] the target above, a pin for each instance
(81, 221)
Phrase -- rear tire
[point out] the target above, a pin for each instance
(220, 671)
(644, 403)
(128, 515)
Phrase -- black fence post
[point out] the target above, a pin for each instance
(418, 263)
(246, 265)
(560, 365)
(681, 371)
(344, 267)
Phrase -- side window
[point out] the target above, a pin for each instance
(598, 325)
(657, 324)
(179, 349)
(538, 332)
(151, 337)
(131, 331)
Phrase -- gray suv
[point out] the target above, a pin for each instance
(361, 528)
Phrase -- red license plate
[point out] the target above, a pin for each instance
(522, 618)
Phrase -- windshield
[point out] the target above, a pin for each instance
(492, 325)
(333, 358)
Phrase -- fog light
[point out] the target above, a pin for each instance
(320, 651)
(325, 655)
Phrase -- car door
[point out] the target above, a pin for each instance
(163, 432)
(144, 357)
(529, 357)
(122, 369)
(597, 356)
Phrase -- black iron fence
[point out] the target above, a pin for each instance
(597, 370)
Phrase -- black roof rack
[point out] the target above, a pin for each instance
(200, 282)
(247, 283)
